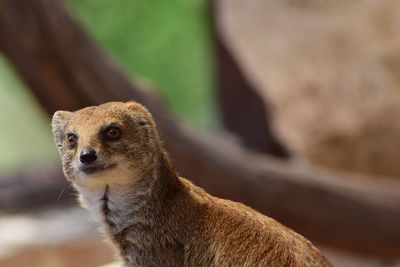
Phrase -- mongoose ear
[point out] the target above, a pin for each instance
(142, 115)
(59, 124)
(135, 106)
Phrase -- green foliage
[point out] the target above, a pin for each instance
(26, 135)
(166, 42)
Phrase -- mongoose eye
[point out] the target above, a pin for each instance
(113, 133)
(72, 139)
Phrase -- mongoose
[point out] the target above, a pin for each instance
(113, 156)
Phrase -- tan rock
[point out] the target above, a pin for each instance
(331, 70)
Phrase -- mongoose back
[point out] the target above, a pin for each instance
(113, 156)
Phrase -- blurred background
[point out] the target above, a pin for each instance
(297, 100)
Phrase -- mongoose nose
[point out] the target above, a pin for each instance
(88, 156)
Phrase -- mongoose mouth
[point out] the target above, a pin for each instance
(96, 168)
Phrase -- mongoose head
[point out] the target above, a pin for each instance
(110, 143)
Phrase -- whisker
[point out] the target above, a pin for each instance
(59, 196)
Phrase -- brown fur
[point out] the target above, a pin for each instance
(156, 218)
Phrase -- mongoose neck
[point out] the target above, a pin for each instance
(132, 213)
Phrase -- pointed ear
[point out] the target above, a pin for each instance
(132, 105)
(142, 113)
(59, 124)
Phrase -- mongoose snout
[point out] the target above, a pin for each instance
(113, 156)
(88, 156)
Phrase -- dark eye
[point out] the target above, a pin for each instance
(113, 133)
(72, 139)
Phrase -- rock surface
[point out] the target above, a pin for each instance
(331, 70)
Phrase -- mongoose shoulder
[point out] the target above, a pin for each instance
(113, 156)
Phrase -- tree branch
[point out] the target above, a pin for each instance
(243, 111)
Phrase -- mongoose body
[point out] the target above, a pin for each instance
(113, 156)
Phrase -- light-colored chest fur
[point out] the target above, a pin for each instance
(122, 202)
(131, 220)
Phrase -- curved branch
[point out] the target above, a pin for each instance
(34, 188)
